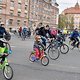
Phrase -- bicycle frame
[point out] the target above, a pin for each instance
(50, 43)
(4, 63)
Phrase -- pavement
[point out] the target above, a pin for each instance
(66, 67)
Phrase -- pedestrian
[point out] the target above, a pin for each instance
(20, 30)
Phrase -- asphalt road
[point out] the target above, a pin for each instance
(66, 67)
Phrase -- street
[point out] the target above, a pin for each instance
(66, 67)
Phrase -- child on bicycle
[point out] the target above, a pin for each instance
(38, 46)
(3, 51)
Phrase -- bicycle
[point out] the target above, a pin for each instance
(5, 66)
(53, 53)
(42, 57)
(63, 48)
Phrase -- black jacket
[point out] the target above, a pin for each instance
(43, 32)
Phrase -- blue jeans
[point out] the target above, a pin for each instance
(43, 40)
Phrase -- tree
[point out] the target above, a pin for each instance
(72, 23)
(62, 21)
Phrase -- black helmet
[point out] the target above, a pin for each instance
(7, 36)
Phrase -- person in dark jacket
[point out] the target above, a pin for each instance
(2, 30)
(74, 36)
(45, 33)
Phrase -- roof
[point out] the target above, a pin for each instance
(72, 10)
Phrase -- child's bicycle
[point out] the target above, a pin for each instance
(5, 66)
(42, 57)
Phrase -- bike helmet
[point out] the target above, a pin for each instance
(37, 38)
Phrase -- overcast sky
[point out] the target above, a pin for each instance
(63, 4)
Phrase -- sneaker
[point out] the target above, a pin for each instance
(33, 58)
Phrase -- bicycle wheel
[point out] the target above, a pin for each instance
(64, 48)
(32, 57)
(53, 53)
(44, 60)
(8, 72)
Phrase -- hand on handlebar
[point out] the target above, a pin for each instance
(50, 39)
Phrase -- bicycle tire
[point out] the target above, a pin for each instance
(43, 59)
(32, 56)
(6, 72)
(53, 53)
(66, 51)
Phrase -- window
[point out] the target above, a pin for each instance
(11, 12)
(18, 22)
(12, 3)
(19, 13)
(10, 21)
(26, 7)
(24, 22)
(26, 15)
(19, 5)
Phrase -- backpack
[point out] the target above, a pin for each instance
(54, 32)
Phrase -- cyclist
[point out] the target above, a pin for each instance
(38, 28)
(2, 47)
(74, 37)
(59, 38)
(45, 34)
(37, 46)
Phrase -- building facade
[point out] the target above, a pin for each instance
(73, 12)
(14, 13)
(42, 11)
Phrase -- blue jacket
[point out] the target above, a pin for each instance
(75, 34)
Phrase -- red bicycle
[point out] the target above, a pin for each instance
(42, 57)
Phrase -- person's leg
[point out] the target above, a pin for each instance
(74, 41)
(3, 59)
(77, 42)
(43, 41)
(36, 52)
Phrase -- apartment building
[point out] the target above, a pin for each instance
(42, 11)
(14, 13)
(74, 13)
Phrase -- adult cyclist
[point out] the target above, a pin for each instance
(45, 34)
(74, 37)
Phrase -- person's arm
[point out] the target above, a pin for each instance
(49, 32)
(5, 31)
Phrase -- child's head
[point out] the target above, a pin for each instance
(37, 38)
